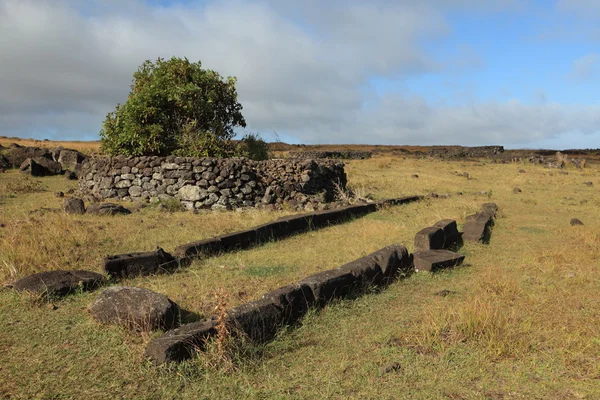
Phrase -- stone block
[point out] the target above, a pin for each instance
(257, 320)
(430, 238)
(451, 235)
(434, 260)
(139, 264)
(331, 284)
(294, 300)
(195, 249)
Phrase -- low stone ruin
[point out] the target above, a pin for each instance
(338, 155)
(159, 261)
(459, 152)
(211, 183)
(41, 161)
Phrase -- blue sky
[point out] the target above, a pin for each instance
(514, 73)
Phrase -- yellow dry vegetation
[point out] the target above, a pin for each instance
(521, 318)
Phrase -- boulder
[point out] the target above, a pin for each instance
(59, 282)
(107, 209)
(16, 155)
(429, 238)
(135, 308)
(40, 166)
(434, 260)
(73, 206)
(69, 159)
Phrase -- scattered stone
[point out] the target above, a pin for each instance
(444, 293)
(575, 222)
(415, 176)
(135, 308)
(517, 190)
(522, 171)
(434, 260)
(73, 206)
(70, 175)
(429, 238)
(107, 209)
(391, 367)
(59, 282)
(59, 194)
(588, 183)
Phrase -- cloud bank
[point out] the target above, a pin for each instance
(304, 69)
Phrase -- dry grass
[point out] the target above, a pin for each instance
(84, 147)
(521, 322)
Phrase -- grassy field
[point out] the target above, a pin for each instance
(522, 320)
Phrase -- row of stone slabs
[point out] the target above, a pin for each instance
(260, 320)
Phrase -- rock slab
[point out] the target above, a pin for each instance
(59, 282)
(135, 308)
(434, 260)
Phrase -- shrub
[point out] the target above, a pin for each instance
(174, 106)
(255, 148)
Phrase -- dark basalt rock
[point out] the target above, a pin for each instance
(59, 282)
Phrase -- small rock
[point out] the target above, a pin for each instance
(107, 209)
(59, 194)
(444, 293)
(70, 175)
(415, 176)
(465, 174)
(588, 183)
(73, 206)
(517, 190)
(391, 367)
(522, 171)
(575, 222)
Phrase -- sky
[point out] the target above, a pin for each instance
(522, 74)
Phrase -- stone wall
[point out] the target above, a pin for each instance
(466, 152)
(342, 155)
(213, 183)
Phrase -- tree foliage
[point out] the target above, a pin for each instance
(174, 107)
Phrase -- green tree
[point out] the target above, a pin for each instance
(175, 107)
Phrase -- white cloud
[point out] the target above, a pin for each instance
(303, 68)
(586, 67)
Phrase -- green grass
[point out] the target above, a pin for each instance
(522, 324)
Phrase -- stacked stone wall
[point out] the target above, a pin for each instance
(212, 182)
